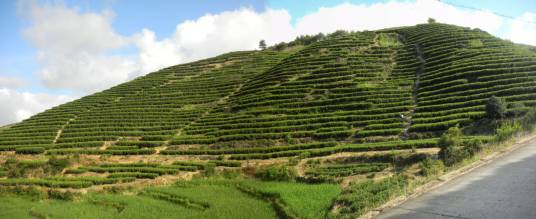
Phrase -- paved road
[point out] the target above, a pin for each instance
(505, 188)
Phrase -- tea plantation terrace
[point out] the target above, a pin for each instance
(391, 89)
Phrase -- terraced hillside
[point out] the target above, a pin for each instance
(317, 107)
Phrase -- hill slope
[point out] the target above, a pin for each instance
(352, 88)
(329, 109)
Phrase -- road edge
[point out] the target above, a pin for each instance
(453, 174)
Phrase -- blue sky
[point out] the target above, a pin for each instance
(47, 59)
(17, 55)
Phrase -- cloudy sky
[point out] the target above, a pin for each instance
(55, 51)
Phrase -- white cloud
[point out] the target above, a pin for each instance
(233, 30)
(211, 35)
(73, 47)
(155, 54)
(349, 16)
(523, 29)
(11, 82)
(16, 106)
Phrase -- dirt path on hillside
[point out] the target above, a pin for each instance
(420, 69)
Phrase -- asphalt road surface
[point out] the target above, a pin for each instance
(504, 188)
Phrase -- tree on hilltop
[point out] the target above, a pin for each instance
(262, 45)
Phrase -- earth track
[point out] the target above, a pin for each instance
(415, 92)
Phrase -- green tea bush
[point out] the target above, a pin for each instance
(133, 174)
(226, 163)
(75, 171)
(30, 150)
(276, 173)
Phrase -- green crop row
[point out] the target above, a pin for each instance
(97, 152)
(380, 146)
(160, 171)
(248, 150)
(30, 150)
(379, 132)
(113, 148)
(62, 182)
(346, 170)
(148, 144)
(136, 175)
(45, 183)
(438, 126)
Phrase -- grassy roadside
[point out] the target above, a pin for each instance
(489, 153)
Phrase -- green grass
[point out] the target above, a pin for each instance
(224, 202)
(306, 200)
(202, 198)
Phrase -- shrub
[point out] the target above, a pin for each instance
(431, 167)
(360, 197)
(507, 130)
(209, 169)
(230, 174)
(473, 146)
(475, 43)
(75, 171)
(304, 155)
(56, 165)
(30, 150)
(529, 120)
(289, 139)
(453, 155)
(18, 168)
(449, 143)
(451, 137)
(12, 168)
(33, 192)
(516, 110)
(495, 108)
(276, 173)
(133, 174)
(61, 195)
(226, 163)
